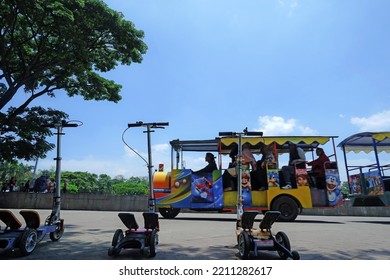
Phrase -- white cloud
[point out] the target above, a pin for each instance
(290, 5)
(161, 147)
(276, 125)
(376, 122)
(305, 130)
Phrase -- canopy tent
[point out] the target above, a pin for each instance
(366, 142)
(369, 185)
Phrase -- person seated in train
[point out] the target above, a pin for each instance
(229, 177)
(248, 160)
(297, 159)
(211, 164)
(259, 178)
(318, 168)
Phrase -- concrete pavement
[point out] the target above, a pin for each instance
(209, 236)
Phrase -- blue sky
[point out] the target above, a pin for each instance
(284, 67)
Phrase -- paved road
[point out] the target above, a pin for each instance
(206, 236)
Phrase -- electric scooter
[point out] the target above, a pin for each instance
(133, 237)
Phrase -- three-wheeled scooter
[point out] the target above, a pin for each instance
(146, 238)
(253, 240)
(15, 238)
(25, 239)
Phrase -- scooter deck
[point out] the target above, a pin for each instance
(9, 219)
(31, 218)
(269, 219)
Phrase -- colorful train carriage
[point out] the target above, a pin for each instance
(181, 188)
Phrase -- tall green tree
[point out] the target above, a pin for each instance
(50, 47)
(20, 171)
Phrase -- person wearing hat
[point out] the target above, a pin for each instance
(211, 166)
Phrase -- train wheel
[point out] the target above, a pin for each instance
(169, 213)
(287, 207)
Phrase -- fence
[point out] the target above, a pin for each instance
(70, 201)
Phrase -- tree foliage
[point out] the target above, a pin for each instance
(78, 182)
(132, 186)
(56, 46)
(18, 170)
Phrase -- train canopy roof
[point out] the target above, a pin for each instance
(225, 144)
(195, 145)
(367, 142)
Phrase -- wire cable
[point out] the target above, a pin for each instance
(123, 140)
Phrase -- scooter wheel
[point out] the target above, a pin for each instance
(295, 255)
(118, 236)
(57, 234)
(28, 241)
(283, 240)
(153, 241)
(112, 252)
(244, 244)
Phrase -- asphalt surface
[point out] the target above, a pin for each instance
(208, 236)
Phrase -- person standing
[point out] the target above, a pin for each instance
(65, 186)
(12, 184)
(4, 188)
(41, 184)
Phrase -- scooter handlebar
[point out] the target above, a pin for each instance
(70, 125)
(254, 133)
(161, 124)
(154, 124)
(227, 134)
(63, 124)
(248, 133)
